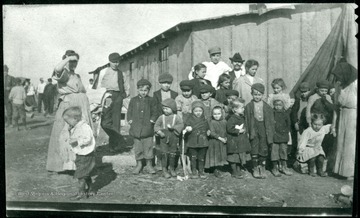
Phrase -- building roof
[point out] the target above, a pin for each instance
(260, 10)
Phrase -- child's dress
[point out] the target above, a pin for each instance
(209, 105)
(216, 154)
(310, 143)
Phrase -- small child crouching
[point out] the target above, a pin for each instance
(141, 116)
(82, 142)
(310, 149)
(238, 144)
(168, 128)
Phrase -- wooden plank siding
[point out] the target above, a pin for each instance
(283, 41)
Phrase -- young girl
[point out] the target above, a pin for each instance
(238, 142)
(260, 120)
(243, 83)
(310, 149)
(196, 137)
(209, 102)
(82, 142)
(185, 100)
(231, 95)
(279, 86)
(168, 128)
(223, 84)
(199, 78)
(216, 153)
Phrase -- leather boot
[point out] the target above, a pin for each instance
(262, 168)
(320, 166)
(284, 169)
(201, 169)
(172, 161)
(138, 167)
(194, 174)
(275, 169)
(150, 166)
(311, 165)
(256, 169)
(81, 191)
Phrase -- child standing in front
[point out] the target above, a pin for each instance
(310, 149)
(223, 84)
(238, 145)
(167, 128)
(17, 98)
(196, 137)
(185, 100)
(82, 142)
(141, 116)
(260, 121)
(281, 137)
(216, 152)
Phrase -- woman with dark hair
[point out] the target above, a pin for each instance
(72, 93)
(346, 77)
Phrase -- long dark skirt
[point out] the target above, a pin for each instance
(84, 165)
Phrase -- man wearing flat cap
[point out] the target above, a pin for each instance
(111, 78)
(238, 68)
(215, 67)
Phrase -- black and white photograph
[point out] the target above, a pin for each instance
(180, 109)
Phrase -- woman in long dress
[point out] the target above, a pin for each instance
(72, 93)
(346, 75)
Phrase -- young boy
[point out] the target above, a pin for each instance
(141, 116)
(82, 142)
(231, 95)
(17, 98)
(281, 137)
(168, 128)
(209, 102)
(260, 121)
(185, 100)
(164, 92)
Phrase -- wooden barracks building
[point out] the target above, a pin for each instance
(284, 41)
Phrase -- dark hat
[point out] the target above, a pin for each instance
(166, 77)
(206, 88)
(237, 58)
(143, 82)
(231, 92)
(114, 57)
(197, 103)
(214, 50)
(186, 85)
(258, 87)
(304, 86)
(70, 53)
(169, 102)
(322, 84)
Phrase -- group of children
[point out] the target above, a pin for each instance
(219, 127)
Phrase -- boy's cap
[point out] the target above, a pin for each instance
(196, 104)
(206, 88)
(304, 86)
(169, 102)
(186, 85)
(114, 57)
(166, 77)
(143, 82)
(323, 84)
(214, 50)
(231, 92)
(258, 87)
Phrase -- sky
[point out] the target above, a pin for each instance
(36, 36)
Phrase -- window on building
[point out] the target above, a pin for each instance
(132, 65)
(164, 60)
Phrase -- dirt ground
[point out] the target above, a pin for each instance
(28, 180)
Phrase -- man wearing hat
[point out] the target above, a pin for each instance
(9, 82)
(40, 92)
(238, 69)
(110, 78)
(215, 67)
(164, 92)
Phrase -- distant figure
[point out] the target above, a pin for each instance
(30, 95)
(17, 97)
(91, 83)
(9, 82)
(49, 97)
(40, 92)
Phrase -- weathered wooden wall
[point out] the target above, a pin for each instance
(283, 41)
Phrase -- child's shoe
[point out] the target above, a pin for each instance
(275, 169)
(284, 169)
(256, 172)
(217, 173)
(201, 169)
(150, 167)
(172, 166)
(262, 172)
(194, 174)
(202, 175)
(138, 167)
(311, 165)
(166, 173)
(320, 167)
(81, 192)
